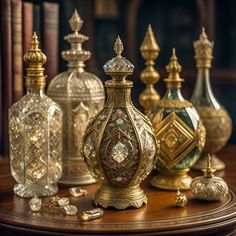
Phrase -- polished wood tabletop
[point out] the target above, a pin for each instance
(158, 217)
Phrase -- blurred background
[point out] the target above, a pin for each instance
(176, 23)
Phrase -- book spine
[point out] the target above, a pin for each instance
(17, 56)
(27, 25)
(1, 97)
(50, 38)
(37, 20)
(6, 54)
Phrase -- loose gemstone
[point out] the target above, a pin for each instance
(77, 192)
(64, 201)
(71, 210)
(35, 203)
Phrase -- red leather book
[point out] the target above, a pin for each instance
(6, 55)
(50, 38)
(27, 25)
(17, 47)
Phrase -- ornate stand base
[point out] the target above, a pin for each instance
(31, 190)
(75, 172)
(120, 198)
(77, 180)
(216, 163)
(172, 180)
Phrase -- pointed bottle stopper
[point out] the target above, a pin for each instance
(76, 55)
(35, 59)
(173, 69)
(149, 76)
(209, 172)
(118, 67)
(203, 50)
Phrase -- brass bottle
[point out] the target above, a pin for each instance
(149, 76)
(81, 96)
(35, 132)
(215, 118)
(178, 127)
(119, 144)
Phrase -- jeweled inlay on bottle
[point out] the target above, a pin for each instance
(80, 95)
(119, 145)
(35, 132)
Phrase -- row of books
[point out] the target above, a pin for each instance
(18, 20)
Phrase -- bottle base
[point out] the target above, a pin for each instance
(32, 190)
(77, 180)
(120, 198)
(172, 180)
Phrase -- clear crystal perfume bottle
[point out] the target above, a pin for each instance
(35, 132)
(81, 95)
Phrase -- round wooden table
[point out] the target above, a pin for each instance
(158, 217)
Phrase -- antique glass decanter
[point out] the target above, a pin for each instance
(215, 118)
(178, 127)
(119, 144)
(35, 125)
(150, 51)
(81, 95)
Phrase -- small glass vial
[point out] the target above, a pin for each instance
(35, 132)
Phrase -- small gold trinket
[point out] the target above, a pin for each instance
(35, 204)
(70, 210)
(209, 187)
(92, 214)
(180, 199)
(64, 201)
(77, 192)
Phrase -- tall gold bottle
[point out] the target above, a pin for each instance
(149, 76)
(81, 96)
(178, 127)
(215, 118)
(119, 145)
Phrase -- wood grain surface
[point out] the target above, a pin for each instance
(158, 217)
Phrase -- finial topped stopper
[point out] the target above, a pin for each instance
(209, 172)
(75, 21)
(118, 46)
(149, 44)
(34, 54)
(203, 50)
(118, 65)
(173, 69)
(35, 59)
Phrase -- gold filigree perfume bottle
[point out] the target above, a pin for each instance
(178, 127)
(81, 95)
(35, 131)
(149, 76)
(119, 144)
(215, 118)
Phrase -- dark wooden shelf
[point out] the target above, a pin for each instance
(159, 217)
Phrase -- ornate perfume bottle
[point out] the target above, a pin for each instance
(209, 187)
(81, 95)
(178, 127)
(119, 144)
(35, 125)
(215, 118)
(149, 76)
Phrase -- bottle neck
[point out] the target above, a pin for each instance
(203, 95)
(173, 94)
(118, 94)
(36, 91)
